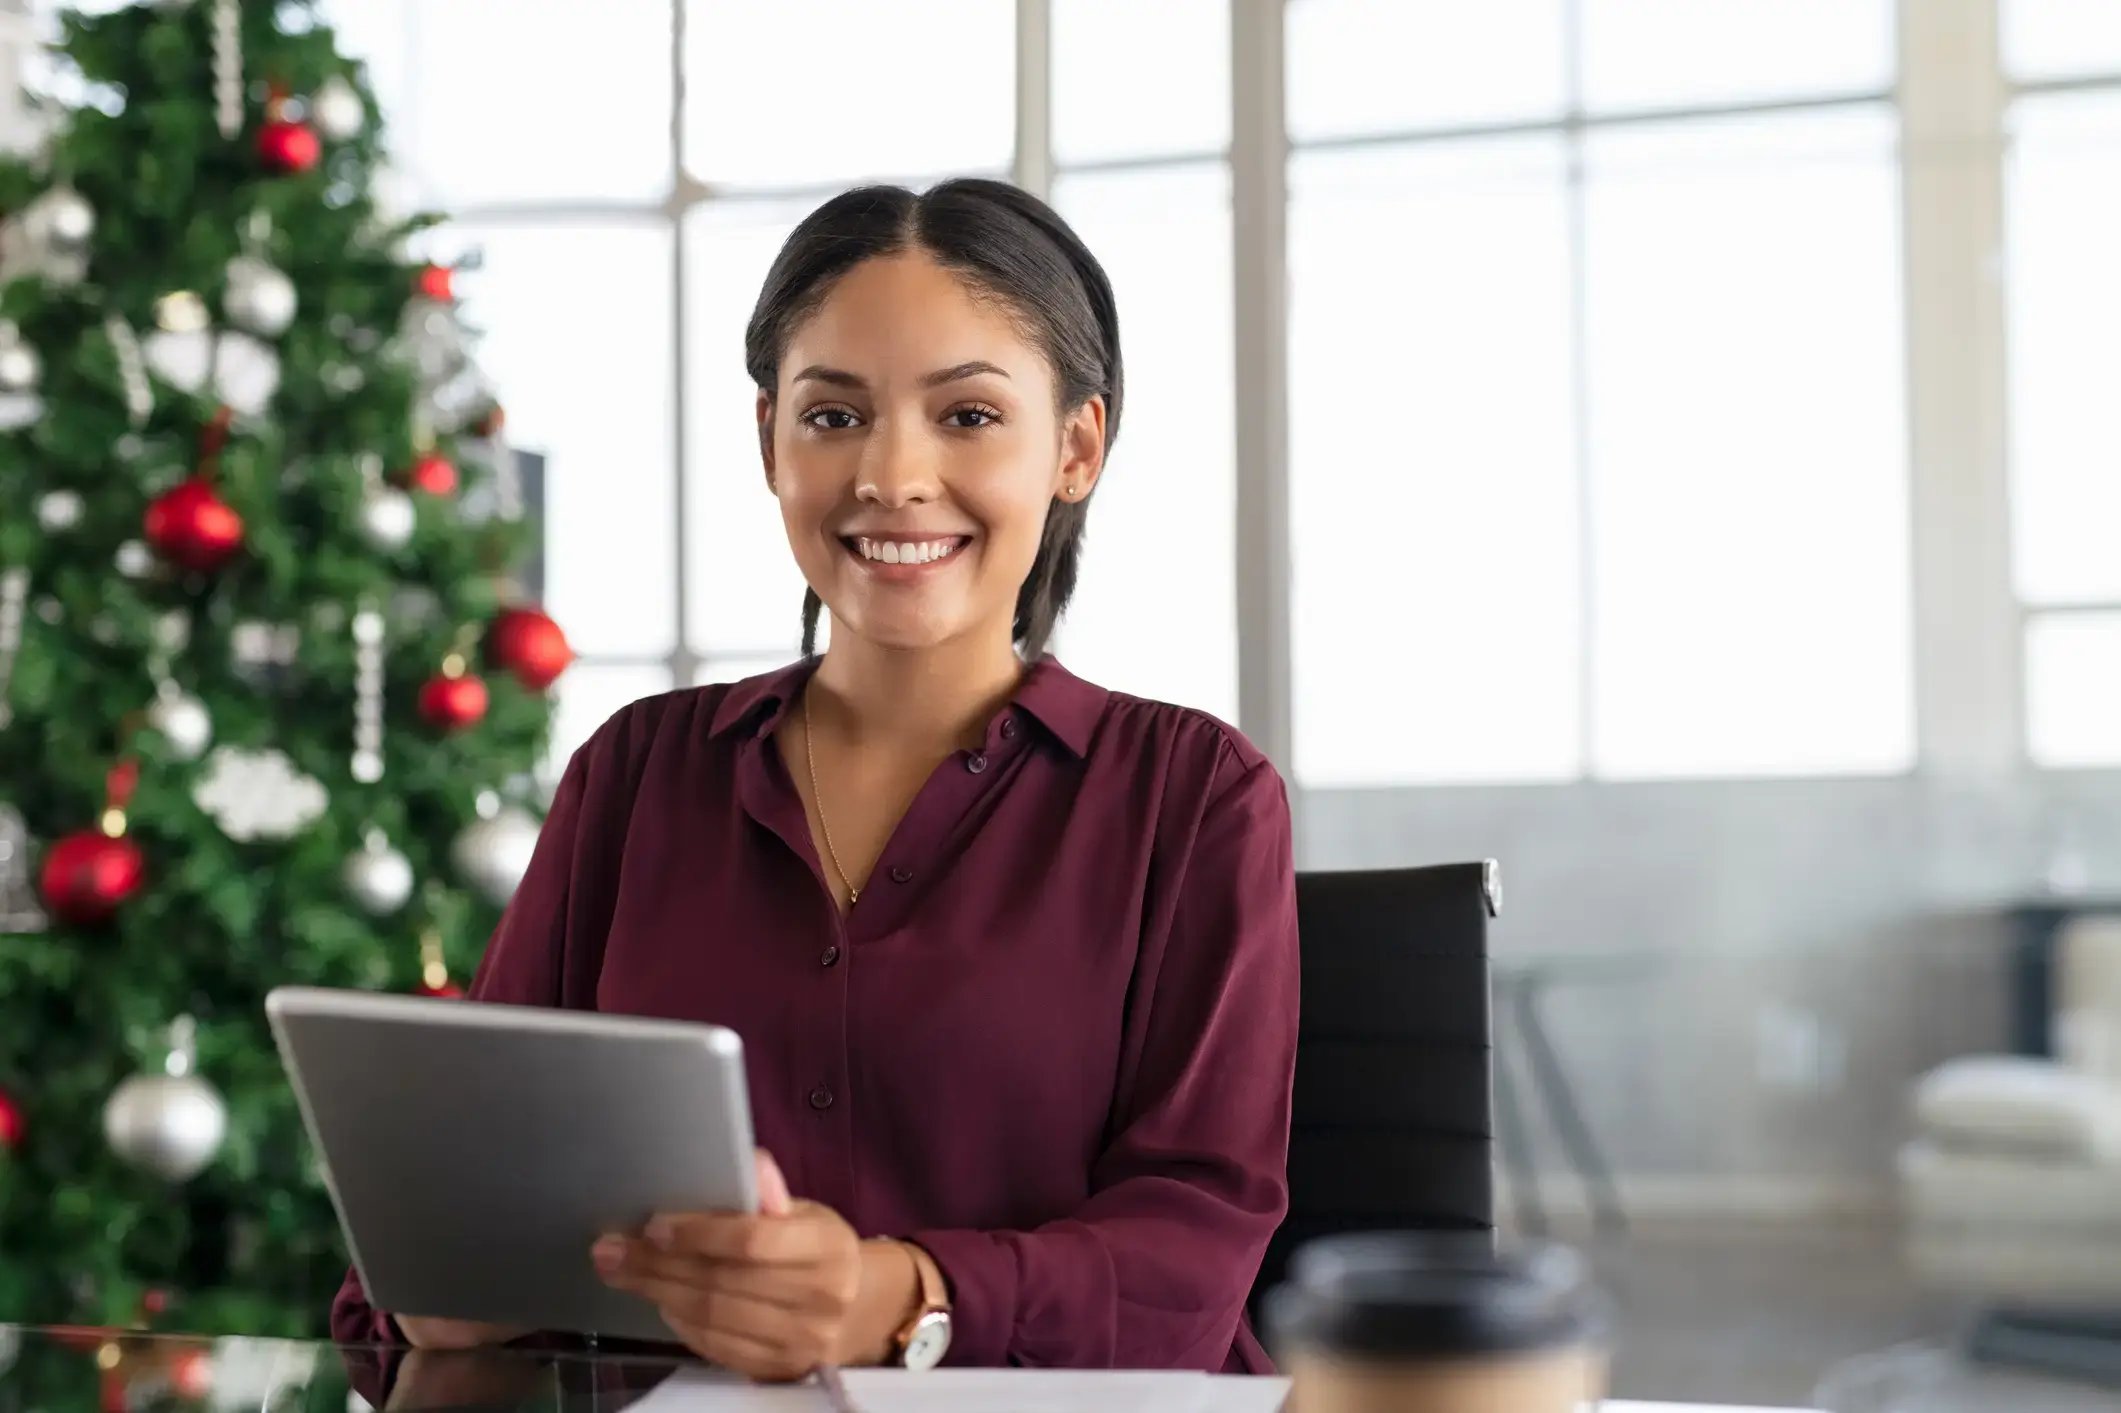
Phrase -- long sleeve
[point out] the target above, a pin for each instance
(1155, 1269)
(527, 962)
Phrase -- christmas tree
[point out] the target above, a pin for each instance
(269, 706)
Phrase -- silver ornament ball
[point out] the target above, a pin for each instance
(135, 560)
(493, 854)
(183, 722)
(336, 110)
(68, 221)
(166, 1124)
(60, 510)
(260, 297)
(19, 368)
(387, 518)
(379, 878)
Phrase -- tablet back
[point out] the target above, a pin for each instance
(476, 1152)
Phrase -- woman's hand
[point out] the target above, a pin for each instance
(772, 1296)
(423, 1333)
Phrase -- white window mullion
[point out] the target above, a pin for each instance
(1968, 652)
(1259, 148)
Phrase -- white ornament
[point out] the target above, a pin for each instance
(337, 111)
(259, 297)
(183, 721)
(246, 373)
(368, 631)
(132, 369)
(379, 878)
(135, 560)
(14, 592)
(387, 519)
(10, 1346)
(494, 854)
(258, 795)
(19, 368)
(183, 358)
(65, 220)
(60, 511)
(169, 1124)
(18, 410)
(182, 312)
(228, 69)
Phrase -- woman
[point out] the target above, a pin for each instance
(1013, 957)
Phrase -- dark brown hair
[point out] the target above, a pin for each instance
(1011, 247)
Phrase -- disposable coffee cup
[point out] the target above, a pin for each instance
(1421, 1323)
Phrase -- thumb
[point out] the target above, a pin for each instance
(774, 1200)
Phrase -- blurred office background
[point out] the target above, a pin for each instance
(1670, 446)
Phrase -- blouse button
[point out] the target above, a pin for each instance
(901, 874)
(821, 1098)
(975, 763)
(831, 956)
(1009, 729)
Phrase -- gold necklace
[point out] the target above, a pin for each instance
(818, 801)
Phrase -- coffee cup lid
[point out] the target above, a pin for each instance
(1417, 1295)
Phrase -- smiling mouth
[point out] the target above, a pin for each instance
(907, 553)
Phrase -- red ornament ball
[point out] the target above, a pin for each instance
(191, 1374)
(433, 473)
(526, 642)
(438, 282)
(447, 991)
(191, 526)
(288, 146)
(13, 1126)
(453, 703)
(154, 1302)
(87, 875)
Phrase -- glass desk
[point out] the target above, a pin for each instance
(73, 1370)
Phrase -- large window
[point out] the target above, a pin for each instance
(1598, 463)
(1597, 368)
(2063, 209)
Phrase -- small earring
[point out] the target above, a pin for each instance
(1074, 491)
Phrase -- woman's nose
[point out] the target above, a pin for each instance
(899, 466)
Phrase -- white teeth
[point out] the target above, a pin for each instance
(904, 552)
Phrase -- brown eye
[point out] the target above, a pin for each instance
(969, 419)
(829, 419)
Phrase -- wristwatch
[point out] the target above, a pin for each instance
(921, 1344)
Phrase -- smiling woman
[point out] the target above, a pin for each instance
(1049, 1126)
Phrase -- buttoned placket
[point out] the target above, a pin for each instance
(915, 851)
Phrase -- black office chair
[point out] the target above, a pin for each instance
(1393, 1127)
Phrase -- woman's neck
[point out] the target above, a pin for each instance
(930, 699)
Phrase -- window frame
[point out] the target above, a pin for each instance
(1950, 86)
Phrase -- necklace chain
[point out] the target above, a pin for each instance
(818, 802)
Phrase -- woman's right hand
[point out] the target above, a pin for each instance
(422, 1332)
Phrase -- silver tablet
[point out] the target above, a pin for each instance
(476, 1152)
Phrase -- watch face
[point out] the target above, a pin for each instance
(929, 1342)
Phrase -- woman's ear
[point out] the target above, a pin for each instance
(1082, 458)
(765, 416)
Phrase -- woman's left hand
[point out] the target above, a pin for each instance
(772, 1296)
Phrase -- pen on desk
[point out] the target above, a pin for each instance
(828, 1379)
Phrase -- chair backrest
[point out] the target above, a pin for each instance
(1393, 1126)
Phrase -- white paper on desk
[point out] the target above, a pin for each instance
(1024, 1391)
(705, 1391)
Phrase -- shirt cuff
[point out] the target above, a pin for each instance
(981, 1272)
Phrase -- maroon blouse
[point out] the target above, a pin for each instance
(1053, 1043)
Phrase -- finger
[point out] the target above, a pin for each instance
(802, 1288)
(774, 1198)
(715, 1310)
(744, 1354)
(806, 1235)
